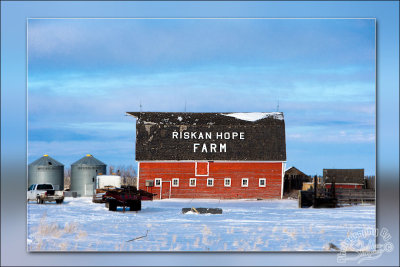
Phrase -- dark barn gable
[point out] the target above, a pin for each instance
(262, 140)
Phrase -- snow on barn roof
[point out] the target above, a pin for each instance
(254, 116)
(253, 136)
(207, 118)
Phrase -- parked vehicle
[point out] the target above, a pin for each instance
(104, 183)
(44, 192)
(126, 196)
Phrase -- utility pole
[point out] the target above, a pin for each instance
(277, 106)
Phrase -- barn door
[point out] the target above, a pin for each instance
(166, 189)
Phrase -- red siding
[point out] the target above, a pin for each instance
(350, 186)
(217, 170)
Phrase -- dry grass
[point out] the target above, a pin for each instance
(230, 231)
(196, 243)
(48, 235)
(206, 233)
(291, 234)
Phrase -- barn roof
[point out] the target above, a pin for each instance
(46, 160)
(264, 135)
(344, 175)
(293, 170)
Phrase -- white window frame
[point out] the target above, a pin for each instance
(208, 169)
(175, 185)
(155, 182)
(245, 179)
(230, 182)
(190, 184)
(210, 179)
(262, 179)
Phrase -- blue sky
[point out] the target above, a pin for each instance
(83, 75)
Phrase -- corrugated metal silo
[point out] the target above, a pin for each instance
(83, 175)
(46, 170)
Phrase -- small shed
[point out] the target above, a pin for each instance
(294, 179)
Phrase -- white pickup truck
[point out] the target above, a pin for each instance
(44, 192)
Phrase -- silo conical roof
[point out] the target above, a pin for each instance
(46, 160)
(88, 160)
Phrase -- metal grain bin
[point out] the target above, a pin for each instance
(46, 170)
(83, 175)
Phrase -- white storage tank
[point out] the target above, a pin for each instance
(108, 180)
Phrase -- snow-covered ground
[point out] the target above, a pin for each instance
(245, 225)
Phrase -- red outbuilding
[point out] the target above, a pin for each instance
(344, 178)
(211, 155)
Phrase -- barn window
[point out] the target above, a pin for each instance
(192, 182)
(202, 168)
(175, 182)
(262, 182)
(245, 182)
(157, 182)
(210, 181)
(227, 182)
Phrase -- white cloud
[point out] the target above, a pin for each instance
(327, 135)
(101, 126)
(49, 39)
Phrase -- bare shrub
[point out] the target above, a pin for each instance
(67, 178)
(128, 174)
(49, 233)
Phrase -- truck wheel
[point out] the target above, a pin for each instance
(59, 201)
(112, 205)
(135, 205)
(39, 201)
(131, 205)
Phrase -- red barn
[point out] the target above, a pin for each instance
(211, 155)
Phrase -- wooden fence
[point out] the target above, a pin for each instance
(345, 195)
